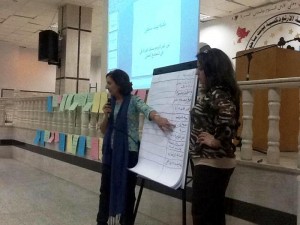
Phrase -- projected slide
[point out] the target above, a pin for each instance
(147, 34)
(156, 40)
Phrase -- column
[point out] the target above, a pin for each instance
(74, 25)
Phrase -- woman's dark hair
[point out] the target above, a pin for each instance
(121, 78)
(219, 71)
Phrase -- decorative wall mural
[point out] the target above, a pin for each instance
(273, 30)
(241, 33)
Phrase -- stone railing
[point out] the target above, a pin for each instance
(274, 87)
(31, 113)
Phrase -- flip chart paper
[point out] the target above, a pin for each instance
(163, 155)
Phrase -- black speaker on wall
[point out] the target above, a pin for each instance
(48, 46)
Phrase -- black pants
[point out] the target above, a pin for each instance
(208, 202)
(127, 217)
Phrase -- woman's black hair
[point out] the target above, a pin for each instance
(219, 71)
(121, 78)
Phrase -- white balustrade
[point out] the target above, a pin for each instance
(273, 132)
(247, 134)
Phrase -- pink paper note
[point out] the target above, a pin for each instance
(95, 148)
(56, 136)
(51, 137)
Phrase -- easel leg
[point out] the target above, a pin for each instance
(138, 200)
(183, 192)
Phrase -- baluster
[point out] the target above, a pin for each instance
(85, 123)
(247, 133)
(273, 132)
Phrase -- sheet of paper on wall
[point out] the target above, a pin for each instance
(69, 101)
(69, 143)
(49, 104)
(75, 143)
(55, 101)
(62, 142)
(37, 137)
(52, 136)
(87, 107)
(63, 102)
(94, 148)
(81, 146)
(163, 156)
(96, 102)
(59, 98)
(47, 135)
(90, 97)
(80, 98)
(73, 106)
(56, 136)
(42, 139)
(103, 101)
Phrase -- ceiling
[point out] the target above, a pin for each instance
(22, 20)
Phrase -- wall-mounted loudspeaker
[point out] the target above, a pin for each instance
(48, 46)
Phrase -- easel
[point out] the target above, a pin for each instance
(188, 179)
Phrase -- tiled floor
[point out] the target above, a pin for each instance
(32, 197)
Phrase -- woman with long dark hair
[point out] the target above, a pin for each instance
(214, 124)
(120, 127)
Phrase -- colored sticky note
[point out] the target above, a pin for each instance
(103, 100)
(87, 107)
(100, 148)
(69, 101)
(73, 106)
(46, 135)
(96, 102)
(80, 99)
(63, 102)
(56, 136)
(59, 98)
(49, 104)
(90, 97)
(95, 148)
(51, 139)
(62, 142)
(69, 143)
(42, 140)
(81, 146)
(37, 137)
(88, 142)
(75, 143)
(54, 101)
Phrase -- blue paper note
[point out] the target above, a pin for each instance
(42, 139)
(37, 137)
(49, 104)
(81, 146)
(62, 142)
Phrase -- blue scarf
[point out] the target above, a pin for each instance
(117, 157)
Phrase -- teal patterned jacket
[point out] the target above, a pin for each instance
(136, 106)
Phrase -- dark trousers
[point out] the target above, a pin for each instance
(127, 217)
(208, 202)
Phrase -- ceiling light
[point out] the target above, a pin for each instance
(204, 17)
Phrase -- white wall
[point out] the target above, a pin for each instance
(277, 20)
(20, 69)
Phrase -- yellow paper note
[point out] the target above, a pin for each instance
(96, 102)
(69, 143)
(103, 101)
